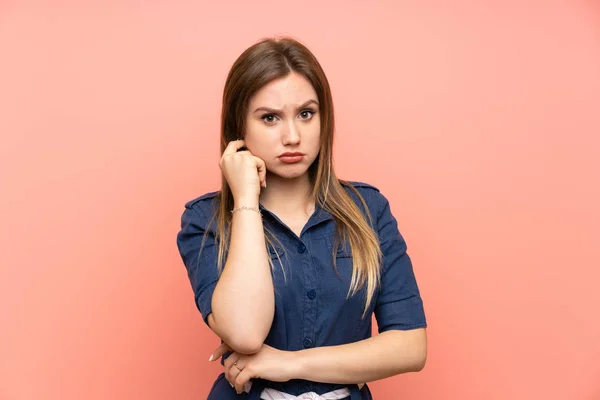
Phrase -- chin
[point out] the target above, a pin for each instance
(290, 172)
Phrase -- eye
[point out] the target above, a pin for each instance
(307, 114)
(269, 118)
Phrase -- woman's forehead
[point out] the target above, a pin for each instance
(290, 92)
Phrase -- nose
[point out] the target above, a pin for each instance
(290, 134)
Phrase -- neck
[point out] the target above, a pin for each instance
(287, 196)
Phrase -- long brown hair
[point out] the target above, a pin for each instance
(265, 61)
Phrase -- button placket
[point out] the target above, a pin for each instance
(309, 304)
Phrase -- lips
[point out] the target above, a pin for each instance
(291, 158)
(291, 154)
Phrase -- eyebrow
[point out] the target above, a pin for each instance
(274, 110)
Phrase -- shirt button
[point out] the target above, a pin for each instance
(301, 248)
(311, 294)
(307, 342)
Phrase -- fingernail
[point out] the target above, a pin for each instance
(211, 357)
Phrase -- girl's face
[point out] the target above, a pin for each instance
(283, 118)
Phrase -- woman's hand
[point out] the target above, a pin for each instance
(269, 363)
(244, 172)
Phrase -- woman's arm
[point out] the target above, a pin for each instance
(389, 353)
(243, 303)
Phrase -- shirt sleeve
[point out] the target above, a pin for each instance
(399, 305)
(201, 266)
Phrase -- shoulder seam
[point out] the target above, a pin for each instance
(198, 210)
(205, 196)
(360, 184)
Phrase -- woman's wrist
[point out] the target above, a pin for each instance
(296, 364)
(245, 201)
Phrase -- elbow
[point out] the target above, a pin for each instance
(415, 358)
(241, 341)
(245, 344)
(420, 363)
(420, 358)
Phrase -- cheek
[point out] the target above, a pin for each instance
(254, 134)
(260, 141)
(315, 137)
(251, 131)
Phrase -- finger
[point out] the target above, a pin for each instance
(222, 349)
(232, 367)
(233, 358)
(262, 170)
(234, 146)
(242, 378)
(232, 373)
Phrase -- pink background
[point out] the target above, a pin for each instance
(480, 120)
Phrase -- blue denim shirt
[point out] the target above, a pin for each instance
(311, 308)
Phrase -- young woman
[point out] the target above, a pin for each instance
(287, 262)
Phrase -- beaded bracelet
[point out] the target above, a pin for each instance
(246, 208)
